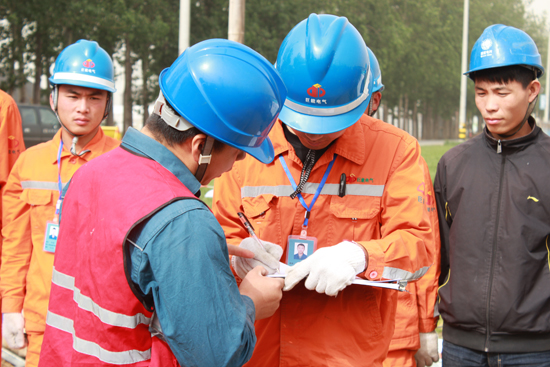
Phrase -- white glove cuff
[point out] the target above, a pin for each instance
(357, 256)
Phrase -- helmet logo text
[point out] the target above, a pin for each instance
(88, 66)
(316, 91)
(88, 63)
(486, 44)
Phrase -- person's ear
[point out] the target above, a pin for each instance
(197, 143)
(534, 90)
(376, 98)
(52, 105)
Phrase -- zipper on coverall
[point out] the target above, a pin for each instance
(493, 253)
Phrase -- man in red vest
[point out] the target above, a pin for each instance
(141, 274)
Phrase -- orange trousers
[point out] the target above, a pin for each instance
(33, 350)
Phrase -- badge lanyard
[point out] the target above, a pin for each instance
(300, 197)
(59, 184)
(52, 227)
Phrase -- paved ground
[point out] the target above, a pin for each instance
(436, 142)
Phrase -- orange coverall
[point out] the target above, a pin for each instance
(380, 210)
(29, 202)
(415, 308)
(11, 145)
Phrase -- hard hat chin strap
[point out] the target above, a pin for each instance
(55, 98)
(172, 119)
(204, 158)
(530, 109)
(370, 111)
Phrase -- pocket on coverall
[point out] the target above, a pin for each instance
(357, 216)
(41, 211)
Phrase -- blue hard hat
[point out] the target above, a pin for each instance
(376, 73)
(84, 64)
(325, 66)
(501, 45)
(228, 91)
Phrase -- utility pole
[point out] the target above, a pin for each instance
(235, 30)
(545, 119)
(185, 25)
(464, 78)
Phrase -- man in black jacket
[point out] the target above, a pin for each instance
(493, 203)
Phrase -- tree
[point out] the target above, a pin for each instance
(417, 42)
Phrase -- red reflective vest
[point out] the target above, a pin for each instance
(94, 317)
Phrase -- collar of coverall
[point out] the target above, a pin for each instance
(91, 146)
(348, 146)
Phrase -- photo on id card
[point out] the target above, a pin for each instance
(299, 248)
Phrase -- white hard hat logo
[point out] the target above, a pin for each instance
(486, 44)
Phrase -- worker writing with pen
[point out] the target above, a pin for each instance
(263, 256)
(142, 275)
(372, 224)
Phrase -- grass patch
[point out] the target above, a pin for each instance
(433, 153)
(204, 190)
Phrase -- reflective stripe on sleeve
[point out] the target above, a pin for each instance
(310, 188)
(42, 185)
(94, 349)
(87, 304)
(395, 273)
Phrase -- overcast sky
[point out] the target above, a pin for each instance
(540, 6)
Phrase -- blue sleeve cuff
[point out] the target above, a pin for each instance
(250, 309)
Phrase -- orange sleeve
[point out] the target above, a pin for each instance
(17, 246)
(426, 288)
(226, 204)
(402, 252)
(11, 138)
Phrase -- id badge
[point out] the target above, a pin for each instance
(50, 237)
(299, 248)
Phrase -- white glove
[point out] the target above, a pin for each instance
(13, 324)
(428, 352)
(268, 258)
(330, 269)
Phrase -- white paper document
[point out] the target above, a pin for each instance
(391, 284)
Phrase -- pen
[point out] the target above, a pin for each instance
(250, 230)
(342, 186)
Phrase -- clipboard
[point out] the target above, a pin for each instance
(396, 284)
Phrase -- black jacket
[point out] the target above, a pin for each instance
(494, 215)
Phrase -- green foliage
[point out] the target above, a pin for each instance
(433, 153)
(418, 42)
(204, 190)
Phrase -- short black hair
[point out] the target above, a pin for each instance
(167, 134)
(301, 244)
(506, 74)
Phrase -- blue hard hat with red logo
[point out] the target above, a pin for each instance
(228, 91)
(325, 66)
(501, 45)
(376, 73)
(84, 64)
